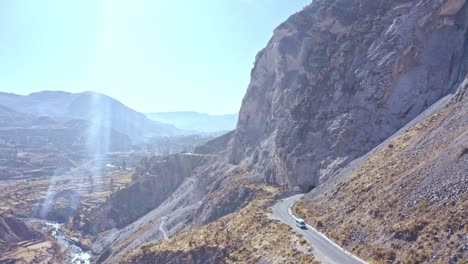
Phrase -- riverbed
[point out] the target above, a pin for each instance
(77, 254)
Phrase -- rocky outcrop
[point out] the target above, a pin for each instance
(336, 79)
(13, 230)
(215, 146)
(462, 92)
(451, 7)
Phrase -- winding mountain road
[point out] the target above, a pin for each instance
(161, 228)
(325, 250)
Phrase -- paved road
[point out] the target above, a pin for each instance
(325, 250)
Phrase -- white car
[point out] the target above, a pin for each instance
(301, 224)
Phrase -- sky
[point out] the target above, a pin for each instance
(152, 55)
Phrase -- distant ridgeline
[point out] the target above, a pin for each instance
(194, 121)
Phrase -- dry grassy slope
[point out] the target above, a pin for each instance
(409, 202)
(155, 180)
(19, 243)
(245, 236)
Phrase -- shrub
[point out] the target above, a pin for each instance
(463, 151)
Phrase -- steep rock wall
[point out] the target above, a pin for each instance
(339, 77)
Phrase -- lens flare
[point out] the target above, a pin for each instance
(44, 210)
(98, 135)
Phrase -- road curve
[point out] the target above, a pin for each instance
(325, 250)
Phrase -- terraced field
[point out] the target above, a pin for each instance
(77, 188)
(34, 251)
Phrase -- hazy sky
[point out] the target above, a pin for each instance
(152, 55)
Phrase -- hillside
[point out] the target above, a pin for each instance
(407, 203)
(21, 244)
(9, 116)
(248, 236)
(336, 80)
(89, 106)
(37, 147)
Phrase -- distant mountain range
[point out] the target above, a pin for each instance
(93, 107)
(194, 121)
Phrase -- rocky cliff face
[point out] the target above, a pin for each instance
(339, 77)
(335, 80)
(462, 92)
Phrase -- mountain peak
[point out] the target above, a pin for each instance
(90, 106)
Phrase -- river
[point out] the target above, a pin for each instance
(77, 254)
